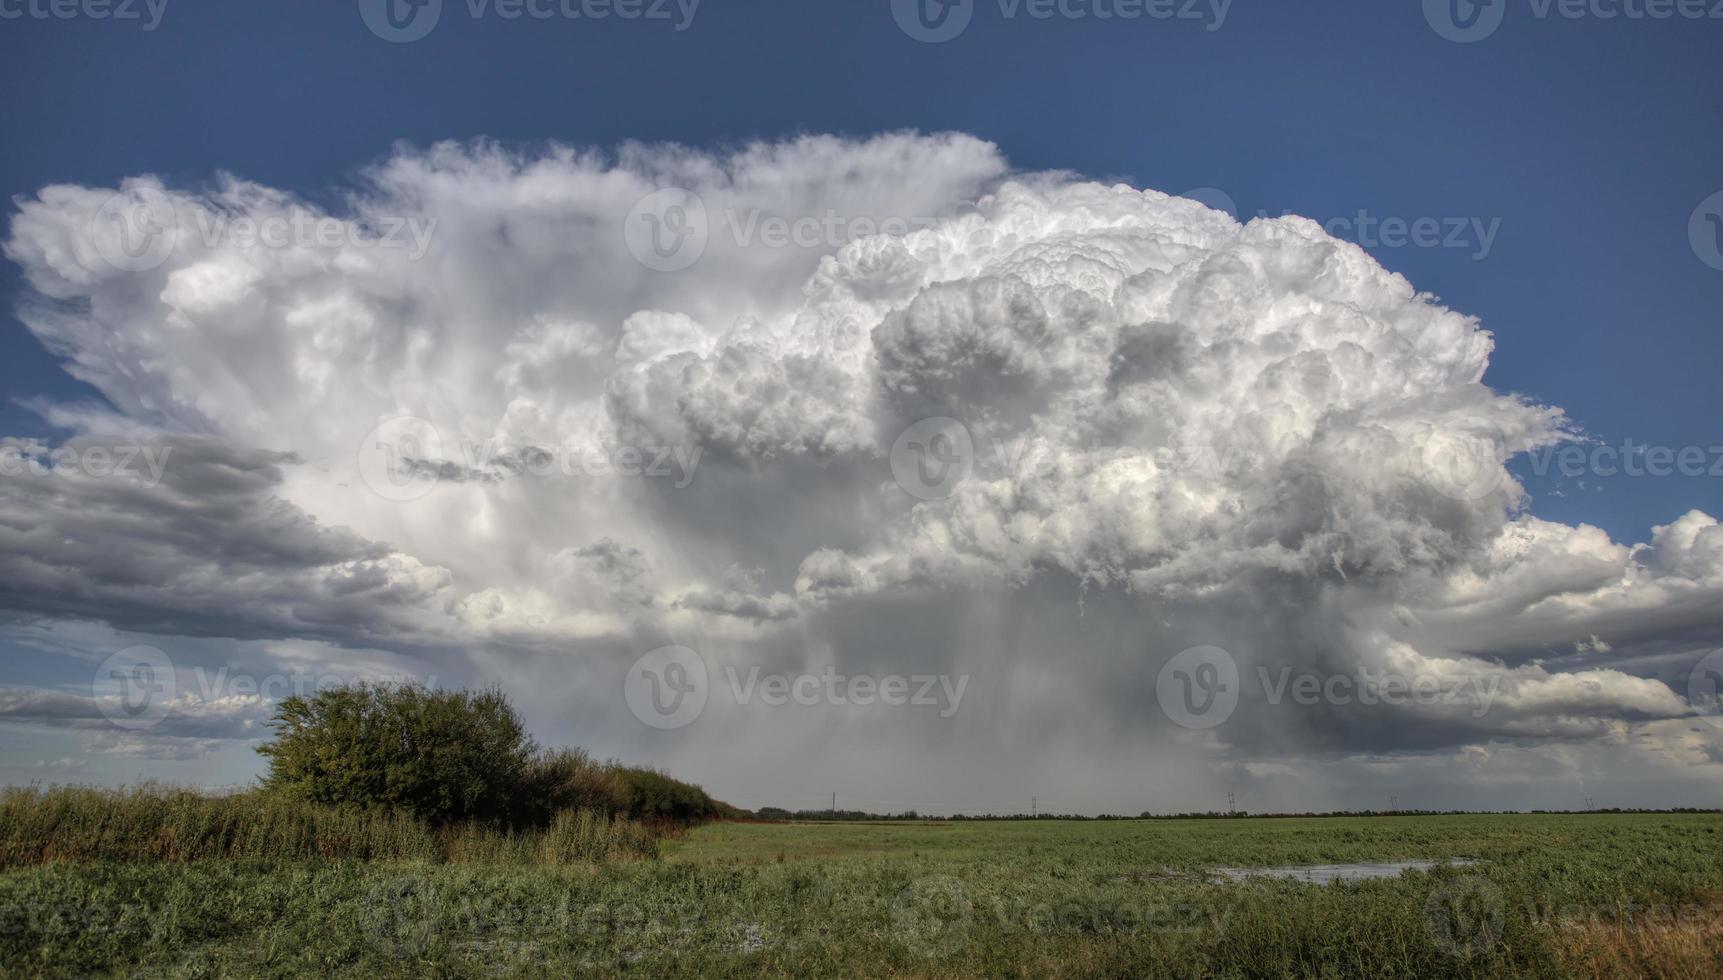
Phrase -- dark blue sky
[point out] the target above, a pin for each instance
(1590, 140)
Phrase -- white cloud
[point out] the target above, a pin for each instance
(1187, 431)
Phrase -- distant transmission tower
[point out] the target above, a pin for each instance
(1032, 810)
(1394, 804)
(1231, 803)
(1589, 805)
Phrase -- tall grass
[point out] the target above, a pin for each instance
(1561, 896)
(149, 823)
(573, 837)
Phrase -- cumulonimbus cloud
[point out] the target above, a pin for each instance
(1181, 430)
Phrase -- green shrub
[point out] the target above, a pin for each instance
(568, 779)
(651, 795)
(370, 773)
(443, 756)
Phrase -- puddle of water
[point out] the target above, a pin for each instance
(1322, 874)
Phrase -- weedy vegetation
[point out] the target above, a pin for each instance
(1545, 896)
(414, 863)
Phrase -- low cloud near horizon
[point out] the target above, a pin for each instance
(1172, 430)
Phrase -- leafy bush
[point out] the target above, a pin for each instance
(374, 773)
(449, 757)
(568, 779)
(443, 756)
(653, 796)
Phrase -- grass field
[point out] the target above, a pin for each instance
(1547, 895)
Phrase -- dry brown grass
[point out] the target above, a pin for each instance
(1677, 944)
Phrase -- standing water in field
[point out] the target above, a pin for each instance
(1322, 874)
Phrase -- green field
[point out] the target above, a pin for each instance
(1547, 895)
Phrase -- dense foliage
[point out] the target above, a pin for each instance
(440, 755)
(648, 794)
(452, 756)
(571, 779)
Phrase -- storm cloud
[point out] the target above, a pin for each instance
(1154, 428)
